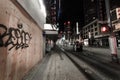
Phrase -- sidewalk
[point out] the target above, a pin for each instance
(57, 67)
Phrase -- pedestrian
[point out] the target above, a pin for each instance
(48, 46)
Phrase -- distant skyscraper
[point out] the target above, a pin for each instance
(96, 9)
(90, 10)
(114, 4)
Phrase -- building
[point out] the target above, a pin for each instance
(95, 18)
(21, 37)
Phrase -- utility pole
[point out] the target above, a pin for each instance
(112, 38)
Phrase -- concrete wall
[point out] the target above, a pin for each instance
(21, 41)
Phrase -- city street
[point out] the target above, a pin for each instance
(62, 64)
(59, 40)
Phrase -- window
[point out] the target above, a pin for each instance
(95, 24)
(95, 29)
(96, 33)
(91, 30)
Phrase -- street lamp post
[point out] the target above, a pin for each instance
(112, 38)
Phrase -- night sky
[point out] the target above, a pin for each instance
(71, 10)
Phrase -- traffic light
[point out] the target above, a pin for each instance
(68, 22)
(105, 29)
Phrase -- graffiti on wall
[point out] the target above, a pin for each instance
(14, 37)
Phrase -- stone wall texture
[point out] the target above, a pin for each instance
(21, 41)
